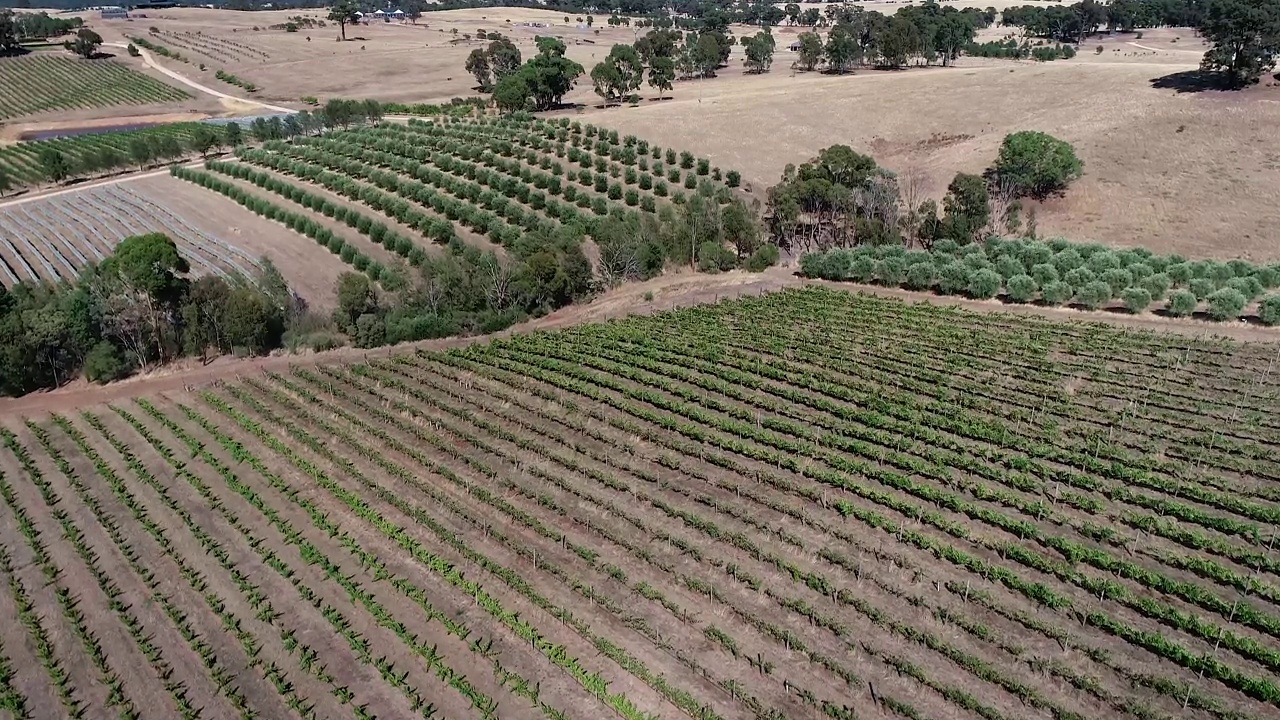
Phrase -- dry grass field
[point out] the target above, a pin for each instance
(1165, 167)
(1192, 173)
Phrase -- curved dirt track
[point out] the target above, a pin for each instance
(669, 292)
(151, 62)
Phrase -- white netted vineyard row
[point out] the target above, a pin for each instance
(54, 238)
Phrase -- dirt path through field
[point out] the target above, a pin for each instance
(150, 62)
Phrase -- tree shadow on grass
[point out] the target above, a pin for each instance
(1188, 81)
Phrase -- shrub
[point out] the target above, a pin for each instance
(765, 257)
(1118, 279)
(1102, 261)
(1248, 286)
(1226, 304)
(1269, 311)
(1067, 260)
(1094, 295)
(1008, 266)
(1079, 277)
(1180, 272)
(1136, 299)
(1044, 273)
(1021, 288)
(632, 198)
(1140, 270)
(921, 276)
(733, 178)
(615, 192)
(984, 284)
(1156, 285)
(660, 189)
(686, 160)
(1182, 303)
(1202, 287)
(1057, 293)
(691, 181)
(104, 363)
(891, 271)
(715, 257)
(704, 167)
(953, 278)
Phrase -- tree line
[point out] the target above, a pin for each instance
(16, 28)
(145, 149)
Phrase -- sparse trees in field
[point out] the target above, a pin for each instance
(478, 65)
(842, 50)
(1036, 164)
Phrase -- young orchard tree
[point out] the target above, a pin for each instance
(344, 12)
(478, 65)
(759, 52)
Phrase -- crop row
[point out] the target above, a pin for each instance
(38, 83)
(301, 223)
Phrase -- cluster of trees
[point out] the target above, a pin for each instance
(85, 44)
(930, 32)
(16, 28)
(1013, 49)
(136, 309)
(492, 64)
(541, 82)
(843, 198)
(1244, 35)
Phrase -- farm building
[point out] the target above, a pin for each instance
(114, 12)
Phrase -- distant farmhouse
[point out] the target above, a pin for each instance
(114, 12)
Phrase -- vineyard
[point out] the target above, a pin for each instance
(800, 505)
(39, 83)
(54, 238)
(89, 154)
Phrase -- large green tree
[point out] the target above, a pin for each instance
(478, 65)
(759, 52)
(504, 58)
(85, 44)
(619, 75)
(1244, 38)
(8, 33)
(842, 50)
(662, 74)
(344, 12)
(810, 50)
(1036, 164)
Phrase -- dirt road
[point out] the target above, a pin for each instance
(151, 62)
